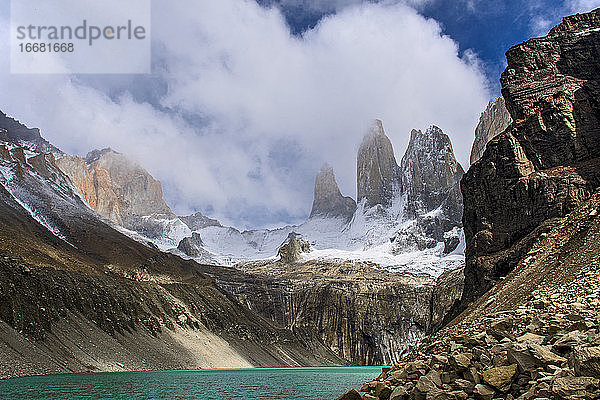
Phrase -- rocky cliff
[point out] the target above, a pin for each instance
(431, 175)
(493, 121)
(328, 200)
(76, 295)
(377, 170)
(547, 163)
(530, 321)
(115, 186)
(430, 185)
(121, 190)
(14, 132)
(366, 315)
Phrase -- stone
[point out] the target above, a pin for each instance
(483, 392)
(530, 338)
(586, 361)
(377, 170)
(399, 393)
(351, 394)
(493, 121)
(382, 390)
(460, 361)
(571, 387)
(500, 377)
(328, 200)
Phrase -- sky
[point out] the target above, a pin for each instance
(246, 99)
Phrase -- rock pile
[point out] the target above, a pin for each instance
(546, 348)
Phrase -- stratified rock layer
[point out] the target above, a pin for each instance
(363, 314)
(328, 200)
(546, 164)
(493, 121)
(377, 170)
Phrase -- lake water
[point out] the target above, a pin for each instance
(234, 384)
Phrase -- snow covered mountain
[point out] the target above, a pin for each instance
(408, 217)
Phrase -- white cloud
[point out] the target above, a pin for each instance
(579, 6)
(544, 17)
(273, 106)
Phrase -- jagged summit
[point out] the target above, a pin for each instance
(96, 154)
(328, 200)
(199, 221)
(377, 170)
(13, 131)
(492, 122)
(431, 174)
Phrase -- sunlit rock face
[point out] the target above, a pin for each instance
(115, 186)
(493, 121)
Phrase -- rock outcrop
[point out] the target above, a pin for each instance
(493, 121)
(363, 314)
(13, 131)
(431, 175)
(115, 186)
(328, 200)
(198, 221)
(547, 163)
(191, 246)
(377, 170)
(291, 250)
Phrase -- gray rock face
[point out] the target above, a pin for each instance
(191, 245)
(291, 250)
(377, 170)
(493, 121)
(431, 175)
(198, 221)
(13, 131)
(328, 200)
(430, 182)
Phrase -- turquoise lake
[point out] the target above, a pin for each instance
(233, 384)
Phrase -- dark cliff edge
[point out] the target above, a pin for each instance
(547, 162)
(528, 323)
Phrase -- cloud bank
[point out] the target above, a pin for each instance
(239, 114)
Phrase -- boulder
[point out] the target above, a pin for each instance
(351, 394)
(500, 377)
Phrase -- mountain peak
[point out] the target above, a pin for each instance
(430, 172)
(377, 170)
(96, 154)
(493, 121)
(328, 200)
